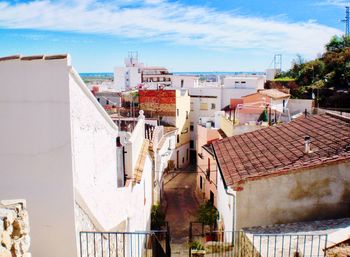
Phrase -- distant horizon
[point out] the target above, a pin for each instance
(187, 72)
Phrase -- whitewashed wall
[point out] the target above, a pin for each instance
(225, 205)
(35, 150)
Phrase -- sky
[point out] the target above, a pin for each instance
(182, 35)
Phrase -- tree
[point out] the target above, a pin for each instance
(208, 214)
(157, 217)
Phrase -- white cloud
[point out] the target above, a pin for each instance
(160, 20)
(340, 3)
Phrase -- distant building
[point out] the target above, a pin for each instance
(275, 102)
(293, 172)
(135, 75)
(170, 107)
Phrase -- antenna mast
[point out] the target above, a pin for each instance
(346, 21)
(277, 61)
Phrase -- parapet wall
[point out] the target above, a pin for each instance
(14, 229)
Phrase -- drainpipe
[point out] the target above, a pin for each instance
(233, 213)
(230, 194)
(124, 152)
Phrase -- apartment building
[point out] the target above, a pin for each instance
(135, 75)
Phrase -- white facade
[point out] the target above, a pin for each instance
(187, 82)
(126, 78)
(238, 86)
(61, 157)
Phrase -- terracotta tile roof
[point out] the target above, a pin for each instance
(280, 149)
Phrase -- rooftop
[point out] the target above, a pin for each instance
(280, 149)
(34, 57)
(308, 238)
(273, 93)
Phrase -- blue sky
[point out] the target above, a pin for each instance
(183, 35)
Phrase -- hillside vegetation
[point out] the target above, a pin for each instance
(327, 77)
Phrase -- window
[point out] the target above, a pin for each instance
(182, 83)
(200, 182)
(178, 138)
(107, 102)
(213, 106)
(177, 112)
(191, 128)
(187, 154)
(117, 141)
(186, 115)
(208, 169)
(191, 143)
(183, 159)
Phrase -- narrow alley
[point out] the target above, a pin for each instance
(182, 205)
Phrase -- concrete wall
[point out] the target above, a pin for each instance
(36, 151)
(299, 105)
(164, 151)
(312, 194)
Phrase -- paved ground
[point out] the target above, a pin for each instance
(182, 205)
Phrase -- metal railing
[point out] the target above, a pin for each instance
(124, 244)
(241, 244)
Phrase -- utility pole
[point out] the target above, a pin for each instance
(346, 21)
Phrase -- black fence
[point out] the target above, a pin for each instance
(124, 244)
(241, 244)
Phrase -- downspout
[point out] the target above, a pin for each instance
(230, 194)
(124, 174)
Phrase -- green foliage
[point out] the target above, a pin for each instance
(157, 217)
(208, 214)
(330, 72)
(284, 79)
(264, 116)
(196, 245)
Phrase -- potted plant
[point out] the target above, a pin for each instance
(197, 249)
(208, 215)
(157, 218)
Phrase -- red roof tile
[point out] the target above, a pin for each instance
(280, 149)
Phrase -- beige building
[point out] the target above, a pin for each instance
(171, 108)
(294, 172)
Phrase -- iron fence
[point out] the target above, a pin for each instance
(124, 244)
(241, 244)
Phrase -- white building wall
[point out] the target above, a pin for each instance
(226, 205)
(126, 78)
(35, 150)
(60, 156)
(133, 144)
(187, 82)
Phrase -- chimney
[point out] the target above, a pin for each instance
(307, 140)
